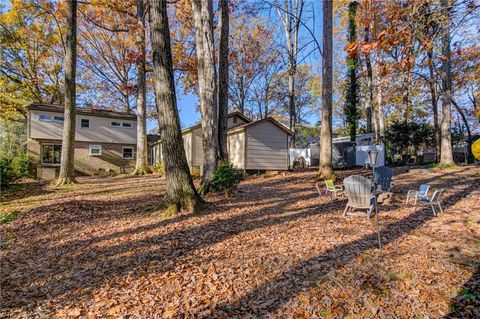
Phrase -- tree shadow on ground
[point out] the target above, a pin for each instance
(21, 191)
(467, 303)
(271, 296)
(72, 270)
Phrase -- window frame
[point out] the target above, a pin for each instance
(53, 152)
(128, 123)
(56, 118)
(119, 124)
(123, 152)
(48, 117)
(97, 146)
(81, 124)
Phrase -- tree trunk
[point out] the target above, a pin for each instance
(141, 165)
(446, 155)
(469, 131)
(203, 21)
(291, 102)
(326, 167)
(67, 166)
(223, 81)
(291, 15)
(380, 116)
(433, 97)
(406, 96)
(369, 82)
(180, 193)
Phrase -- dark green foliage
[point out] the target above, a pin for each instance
(350, 108)
(303, 133)
(6, 172)
(227, 178)
(14, 168)
(408, 138)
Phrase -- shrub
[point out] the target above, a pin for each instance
(158, 168)
(21, 165)
(6, 172)
(15, 168)
(227, 178)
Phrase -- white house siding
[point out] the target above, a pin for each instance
(155, 154)
(100, 130)
(236, 149)
(267, 147)
(197, 147)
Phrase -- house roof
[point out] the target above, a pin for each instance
(83, 111)
(267, 119)
(153, 138)
(231, 114)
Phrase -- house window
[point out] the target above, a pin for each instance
(85, 123)
(234, 120)
(44, 117)
(58, 118)
(95, 150)
(128, 152)
(115, 124)
(51, 153)
(127, 125)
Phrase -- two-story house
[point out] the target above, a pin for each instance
(105, 141)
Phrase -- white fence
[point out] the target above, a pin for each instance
(361, 155)
(296, 153)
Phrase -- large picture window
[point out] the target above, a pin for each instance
(51, 153)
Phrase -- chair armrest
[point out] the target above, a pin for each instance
(339, 187)
(412, 192)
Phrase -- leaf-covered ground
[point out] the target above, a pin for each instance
(277, 250)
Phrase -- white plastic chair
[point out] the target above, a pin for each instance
(358, 190)
(422, 192)
(433, 201)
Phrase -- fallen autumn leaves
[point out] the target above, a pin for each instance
(277, 249)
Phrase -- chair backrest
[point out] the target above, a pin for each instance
(436, 195)
(383, 176)
(423, 190)
(330, 185)
(358, 190)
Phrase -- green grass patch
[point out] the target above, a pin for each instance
(7, 218)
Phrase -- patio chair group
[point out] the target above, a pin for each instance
(361, 193)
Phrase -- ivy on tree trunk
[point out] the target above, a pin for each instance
(351, 99)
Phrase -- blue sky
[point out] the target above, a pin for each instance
(187, 103)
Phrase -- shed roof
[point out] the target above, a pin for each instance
(267, 119)
(231, 114)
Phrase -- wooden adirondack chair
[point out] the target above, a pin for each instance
(358, 190)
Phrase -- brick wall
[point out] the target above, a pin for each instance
(111, 159)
